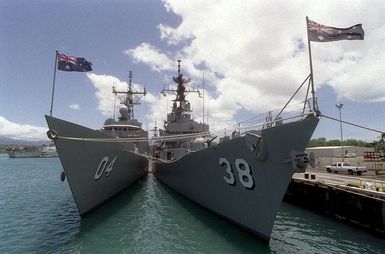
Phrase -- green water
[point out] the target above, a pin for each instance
(38, 215)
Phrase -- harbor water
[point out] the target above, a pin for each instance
(38, 215)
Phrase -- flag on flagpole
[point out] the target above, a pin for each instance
(321, 33)
(70, 63)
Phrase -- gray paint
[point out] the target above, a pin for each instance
(80, 160)
(199, 176)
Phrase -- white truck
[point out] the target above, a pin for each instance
(345, 167)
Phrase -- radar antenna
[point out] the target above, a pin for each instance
(181, 90)
(127, 97)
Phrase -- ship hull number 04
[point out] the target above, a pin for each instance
(243, 170)
(102, 168)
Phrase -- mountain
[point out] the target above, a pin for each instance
(10, 141)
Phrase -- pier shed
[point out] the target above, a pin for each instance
(335, 151)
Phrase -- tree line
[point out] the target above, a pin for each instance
(349, 142)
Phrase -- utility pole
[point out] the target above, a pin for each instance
(339, 106)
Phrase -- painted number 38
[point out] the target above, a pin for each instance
(243, 169)
(102, 167)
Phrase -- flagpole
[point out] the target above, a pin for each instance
(53, 83)
(311, 64)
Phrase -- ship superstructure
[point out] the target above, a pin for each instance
(127, 126)
(179, 125)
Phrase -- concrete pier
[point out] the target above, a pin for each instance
(352, 199)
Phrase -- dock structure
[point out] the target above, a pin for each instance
(352, 199)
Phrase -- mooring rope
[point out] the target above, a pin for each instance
(353, 124)
(155, 159)
(176, 137)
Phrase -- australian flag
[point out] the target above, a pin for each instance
(70, 63)
(321, 33)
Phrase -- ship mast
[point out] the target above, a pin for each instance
(180, 103)
(126, 97)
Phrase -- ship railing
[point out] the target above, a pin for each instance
(262, 124)
(107, 140)
(135, 140)
(241, 129)
(181, 136)
(274, 122)
(255, 125)
(276, 117)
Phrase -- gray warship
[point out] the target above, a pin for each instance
(98, 164)
(243, 178)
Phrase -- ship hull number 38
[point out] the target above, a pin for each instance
(102, 168)
(243, 173)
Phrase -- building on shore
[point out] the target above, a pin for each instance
(336, 151)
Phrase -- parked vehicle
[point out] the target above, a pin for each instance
(347, 155)
(345, 167)
(373, 156)
(351, 155)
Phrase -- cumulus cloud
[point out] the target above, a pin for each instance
(74, 106)
(21, 131)
(151, 56)
(103, 85)
(255, 54)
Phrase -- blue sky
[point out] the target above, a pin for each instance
(252, 55)
(32, 30)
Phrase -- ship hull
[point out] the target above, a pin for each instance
(32, 155)
(235, 181)
(24, 154)
(96, 171)
(49, 155)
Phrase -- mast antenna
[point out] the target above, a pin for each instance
(114, 106)
(179, 66)
(127, 98)
(203, 95)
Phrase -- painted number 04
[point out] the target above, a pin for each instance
(102, 168)
(243, 169)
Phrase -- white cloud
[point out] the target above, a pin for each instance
(259, 49)
(151, 56)
(21, 131)
(104, 83)
(74, 106)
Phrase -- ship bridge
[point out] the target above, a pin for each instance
(179, 120)
(126, 125)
